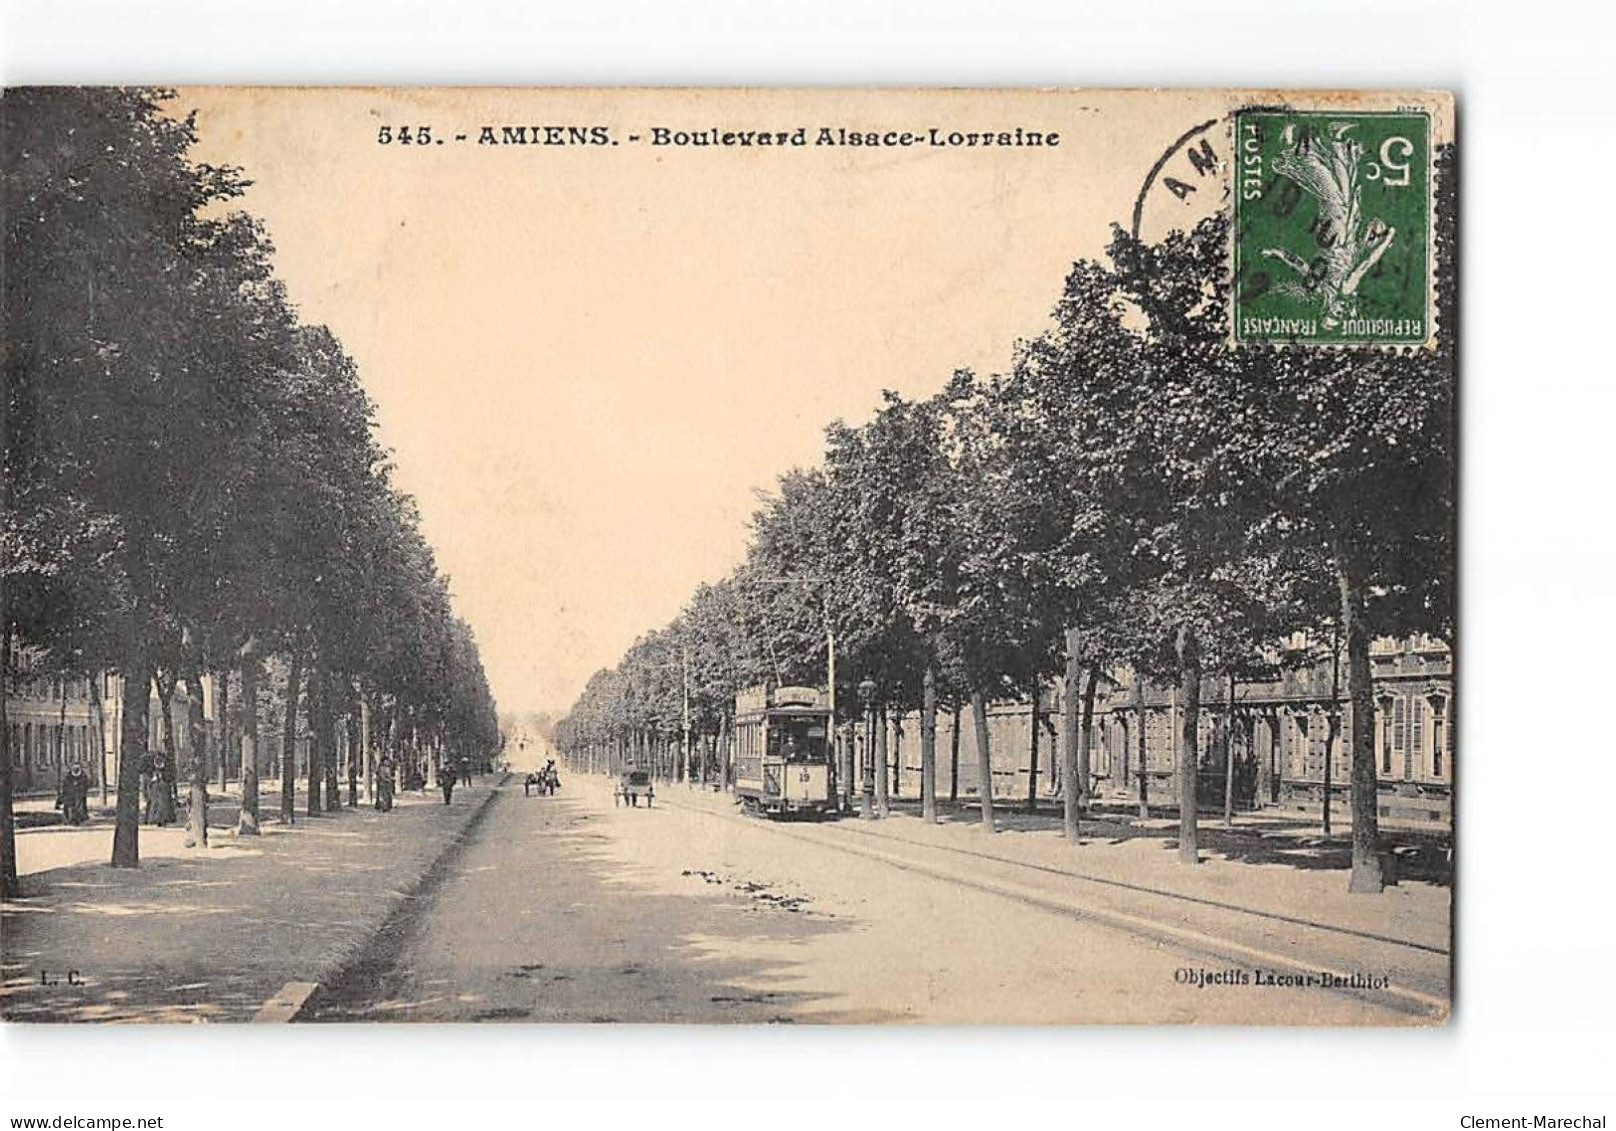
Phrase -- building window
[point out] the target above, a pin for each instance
(1416, 738)
(1439, 711)
(1386, 737)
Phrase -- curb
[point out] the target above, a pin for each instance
(295, 1000)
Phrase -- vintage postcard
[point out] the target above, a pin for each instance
(729, 555)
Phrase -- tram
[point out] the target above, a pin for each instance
(784, 762)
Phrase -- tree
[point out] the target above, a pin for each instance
(187, 470)
(1344, 454)
(119, 276)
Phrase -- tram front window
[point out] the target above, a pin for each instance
(797, 740)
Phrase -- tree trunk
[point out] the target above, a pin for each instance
(1333, 722)
(1259, 763)
(1367, 873)
(1228, 760)
(61, 733)
(8, 818)
(331, 750)
(953, 757)
(984, 757)
(247, 822)
(355, 746)
(137, 677)
(1276, 765)
(165, 702)
(1144, 748)
(99, 722)
(723, 751)
(897, 755)
(328, 704)
(196, 827)
(167, 796)
(1122, 768)
(1189, 693)
(928, 745)
(294, 680)
(883, 802)
(314, 804)
(1032, 752)
(1085, 742)
(1052, 732)
(224, 744)
(368, 714)
(1071, 693)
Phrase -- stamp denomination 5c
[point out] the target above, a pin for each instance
(1332, 220)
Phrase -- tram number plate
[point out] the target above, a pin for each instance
(804, 776)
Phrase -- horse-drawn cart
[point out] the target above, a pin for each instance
(633, 785)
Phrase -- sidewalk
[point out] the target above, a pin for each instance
(1279, 868)
(38, 809)
(210, 934)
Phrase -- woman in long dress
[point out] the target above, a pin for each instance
(73, 799)
(160, 799)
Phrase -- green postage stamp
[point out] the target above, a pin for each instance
(1332, 221)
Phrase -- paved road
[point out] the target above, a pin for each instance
(567, 909)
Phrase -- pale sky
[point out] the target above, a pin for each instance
(588, 359)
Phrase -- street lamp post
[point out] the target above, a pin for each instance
(866, 690)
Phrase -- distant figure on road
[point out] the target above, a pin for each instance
(465, 770)
(384, 784)
(73, 799)
(446, 780)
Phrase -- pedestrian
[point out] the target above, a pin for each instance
(161, 801)
(464, 770)
(446, 780)
(384, 784)
(73, 799)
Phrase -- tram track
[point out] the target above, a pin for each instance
(1106, 881)
(1406, 964)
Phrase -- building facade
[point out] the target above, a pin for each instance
(53, 721)
(1286, 736)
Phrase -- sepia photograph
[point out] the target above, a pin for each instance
(729, 555)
